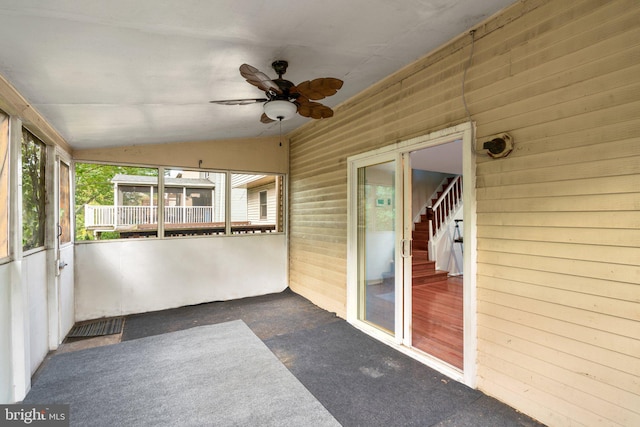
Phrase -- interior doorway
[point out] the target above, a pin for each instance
(411, 220)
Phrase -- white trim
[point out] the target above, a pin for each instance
(402, 340)
(52, 180)
(470, 257)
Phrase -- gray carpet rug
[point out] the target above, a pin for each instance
(217, 375)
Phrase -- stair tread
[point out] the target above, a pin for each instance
(431, 273)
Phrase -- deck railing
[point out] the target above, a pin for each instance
(111, 216)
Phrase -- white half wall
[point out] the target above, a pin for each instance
(6, 366)
(34, 279)
(66, 291)
(139, 275)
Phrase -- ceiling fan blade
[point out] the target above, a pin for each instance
(265, 119)
(259, 79)
(315, 110)
(319, 88)
(239, 101)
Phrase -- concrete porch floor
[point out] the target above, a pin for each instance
(361, 381)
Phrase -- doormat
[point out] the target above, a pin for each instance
(97, 328)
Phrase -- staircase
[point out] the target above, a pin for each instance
(423, 270)
(429, 224)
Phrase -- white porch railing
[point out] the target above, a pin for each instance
(110, 216)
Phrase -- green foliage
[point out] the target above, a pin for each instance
(33, 192)
(94, 187)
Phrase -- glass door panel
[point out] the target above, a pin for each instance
(376, 237)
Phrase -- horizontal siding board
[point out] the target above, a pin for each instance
(528, 399)
(589, 120)
(587, 236)
(591, 151)
(582, 203)
(614, 220)
(310, 249)
(617, 404)
(627, 292)
(607, 314)
(600, 168)
(614, 378)
(571, 267)
(614, 255)
(536, 141)
(493, 319)
(513, 73)
(549, 389)
(586, 186)
(527, 312)
(560, 102)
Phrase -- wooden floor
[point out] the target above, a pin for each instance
(437, 320)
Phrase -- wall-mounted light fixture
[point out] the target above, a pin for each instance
(498, 146)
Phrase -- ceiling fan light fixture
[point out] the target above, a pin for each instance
(280, 109)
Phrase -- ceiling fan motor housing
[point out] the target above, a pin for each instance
(280, 67)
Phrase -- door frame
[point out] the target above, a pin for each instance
(402, 339)
(353, 296)
(55, 264)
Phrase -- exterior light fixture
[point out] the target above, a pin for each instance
(498, 146)
(280, 109)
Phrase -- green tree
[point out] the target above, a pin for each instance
(94, 187)
(33, 191)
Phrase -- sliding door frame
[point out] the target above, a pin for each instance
(401, 340)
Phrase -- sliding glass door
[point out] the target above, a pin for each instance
(377, 218)
(405, 284)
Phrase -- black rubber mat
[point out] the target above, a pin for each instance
(97, 328)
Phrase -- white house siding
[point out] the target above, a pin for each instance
(558, 220)
(253, 204)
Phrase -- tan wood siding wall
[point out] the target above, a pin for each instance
(558, 220)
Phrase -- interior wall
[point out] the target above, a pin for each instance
(423, 185)
(115, 278)
(558, 262)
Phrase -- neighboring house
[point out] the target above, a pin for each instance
(551, 232)
(192, 205)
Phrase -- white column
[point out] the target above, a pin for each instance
(151, 204)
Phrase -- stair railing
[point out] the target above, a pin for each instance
(444, 208)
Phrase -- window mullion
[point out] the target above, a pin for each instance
(160, 202)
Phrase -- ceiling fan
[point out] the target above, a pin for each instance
(283, 98)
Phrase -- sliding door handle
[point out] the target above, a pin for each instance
(404, 245)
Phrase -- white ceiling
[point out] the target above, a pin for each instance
(444, 158)
(122, 72)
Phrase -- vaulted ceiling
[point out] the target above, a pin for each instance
(123, 72)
